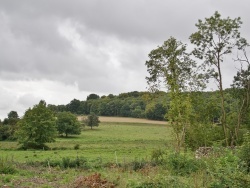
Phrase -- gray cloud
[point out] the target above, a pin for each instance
(92, 45)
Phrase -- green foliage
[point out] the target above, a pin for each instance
(8, 126)
(37, 127)
(199, 135)
(159, 182)
(34, 145)
(93, 97)
(244, 154)
(155, 111)
(217, 37)
(181, 164)
(92, 120)
(172, 64)
(157, 168)
(66, 162)
(158, 157)
(225, 171)
(13, 115)
(77, 146)
(74, 106)
(6, 166)
(4, 132)
(131, 104)
(67, 123)
(138, 164)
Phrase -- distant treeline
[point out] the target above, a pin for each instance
(132, 104)
(135, 104)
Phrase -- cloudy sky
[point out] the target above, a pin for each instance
(58, 50)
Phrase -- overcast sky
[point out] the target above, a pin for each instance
(58, 50)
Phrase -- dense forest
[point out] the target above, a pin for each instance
(132, 104)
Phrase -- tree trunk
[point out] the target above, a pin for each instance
(223, 121)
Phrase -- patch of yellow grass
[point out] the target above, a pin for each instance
(126, 120)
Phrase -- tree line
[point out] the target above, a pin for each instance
(132, 104)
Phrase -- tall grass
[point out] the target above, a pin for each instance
(7, 166)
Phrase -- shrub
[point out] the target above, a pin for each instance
(225, 171)
(180, 164)
(245, 151)
(77, 146)
(158, 157)
(33, 145)
(199, 135)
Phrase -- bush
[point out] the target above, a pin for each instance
(225, 171)
(158, 157)
(199, 135)
(244, 153)
(33, 145)
(180, 164)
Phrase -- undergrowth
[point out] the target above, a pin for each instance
(7, 166)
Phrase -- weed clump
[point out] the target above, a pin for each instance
(6, 166)
(159, 182)
(76, 147)
(158, 157)
(180, 164)
(66, 162)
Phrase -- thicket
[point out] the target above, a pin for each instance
(185, 75)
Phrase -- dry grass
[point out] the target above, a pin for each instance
(126, 120)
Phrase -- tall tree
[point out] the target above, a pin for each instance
(37, 126)
(10, 125)
(171, 65)
(74, 106)
(216, 38)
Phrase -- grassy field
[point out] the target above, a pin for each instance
(117, 141)
(126, 120)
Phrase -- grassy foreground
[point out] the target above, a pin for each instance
(107, 150)
(119, 154)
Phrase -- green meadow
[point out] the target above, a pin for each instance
(112, 142)
(112, 150)
(119, 154)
